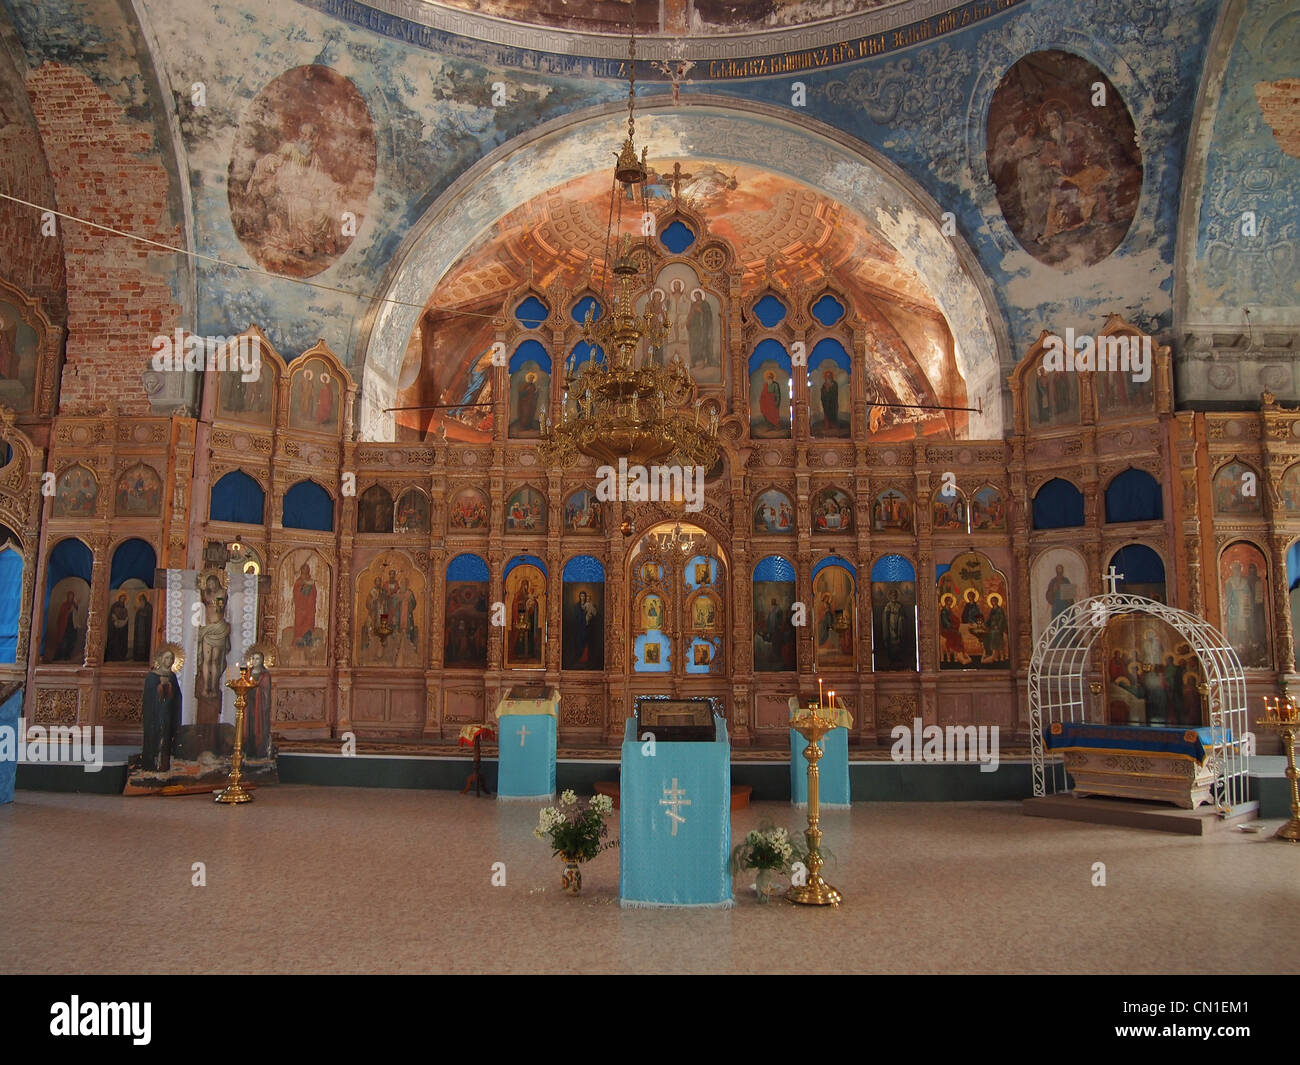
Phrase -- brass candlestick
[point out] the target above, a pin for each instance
(812, 725)
(234, 791)
(1284, 719)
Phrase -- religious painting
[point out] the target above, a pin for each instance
(773, 512)
(988, 511)
(465, 630)
(1243, 576)
(1057, 580)
(314, 397)
(469, 510)
(651, 571)
(891, 512)
(650, 654)
(833, 617)
(375, 510)
(693, 323)
(1289, 491)
(830, 412)
(389, 618)
(65, 621)
(412, 513)
(305, 598)
(702, 573)
(705, 612)
(769, 401)
(1063, 156)
(128, 630)
(973, 620)
(1118, 394)
(301, 171)
(139, 493)
(701, 654)
(248, 401)
(774, 632)
(1152, 674)
(582, 512)
(525, 643)
(652, 613)
(832, 511)
(526, 511)
(530, 385)
(948, 510)
(1237, 490)
(893, 623)
(19, 351)
(1053, 397)
(75, 493)
(583, 626)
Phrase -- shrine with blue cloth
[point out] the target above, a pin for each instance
(675, 806)
(526, 720)
(832, 768)
(1177, 765)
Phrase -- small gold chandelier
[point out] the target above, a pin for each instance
(627, 405)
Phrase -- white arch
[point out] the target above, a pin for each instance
(1058, 678)
(706, 127)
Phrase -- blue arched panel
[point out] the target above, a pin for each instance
(133, 559)
(774, 568)
(308, 506)
(531, 313)
(583, 568)
(829, 348)
(677, 237)
(835, 560)
(467, 568)
(892, 568)
(579, 311)
(583, 353)
(770, 311)
(1058, 505)
(828, 310)
(524, 560)
(1134, 496)
(1293, 569)
(11, 594)
(769, 349)
(1139, 564)
(530, 351)
(239, 498)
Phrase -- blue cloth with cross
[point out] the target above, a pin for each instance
(526, 756)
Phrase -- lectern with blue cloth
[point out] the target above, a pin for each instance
(675, 807)
(526, 743)
(833, 766)
(10, 710)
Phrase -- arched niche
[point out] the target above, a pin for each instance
(730, 131)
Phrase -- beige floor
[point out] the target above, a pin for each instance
(311, 879)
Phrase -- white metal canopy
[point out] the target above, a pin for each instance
(1058, 684)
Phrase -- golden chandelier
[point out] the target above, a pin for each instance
(627, 405)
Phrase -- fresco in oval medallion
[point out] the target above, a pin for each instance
(1064, 159)
(303, 156)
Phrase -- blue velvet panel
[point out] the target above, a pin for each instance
(682, 861)
(133, 559)
(11, 593)
(526, 761)
(774, 568)
(1134, 496)
(1058, 505)
(893, 568)
(308, 506)
(467, 568)
(9, 711)
(583, 568)
(1139, 564)
(237, 497)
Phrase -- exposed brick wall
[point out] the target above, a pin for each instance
(107, 169)
(33, 263)
(1280, 102)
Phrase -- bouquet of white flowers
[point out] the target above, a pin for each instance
(767, 847)
(575, 832)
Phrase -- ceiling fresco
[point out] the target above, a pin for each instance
(780, 229)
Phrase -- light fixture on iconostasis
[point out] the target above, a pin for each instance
(621, 404)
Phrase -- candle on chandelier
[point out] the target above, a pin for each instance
(819, 693)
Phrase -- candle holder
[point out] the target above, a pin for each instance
(234, 792)
(812, 725)
(383, 629)
(1283, 717)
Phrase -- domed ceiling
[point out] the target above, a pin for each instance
(780, 229)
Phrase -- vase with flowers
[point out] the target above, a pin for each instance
(768, 851)
(577, 834)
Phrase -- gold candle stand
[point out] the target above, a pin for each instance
(812, 726)
(234, 791)
(1284, 719)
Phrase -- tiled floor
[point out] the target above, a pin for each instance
(310, 879)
